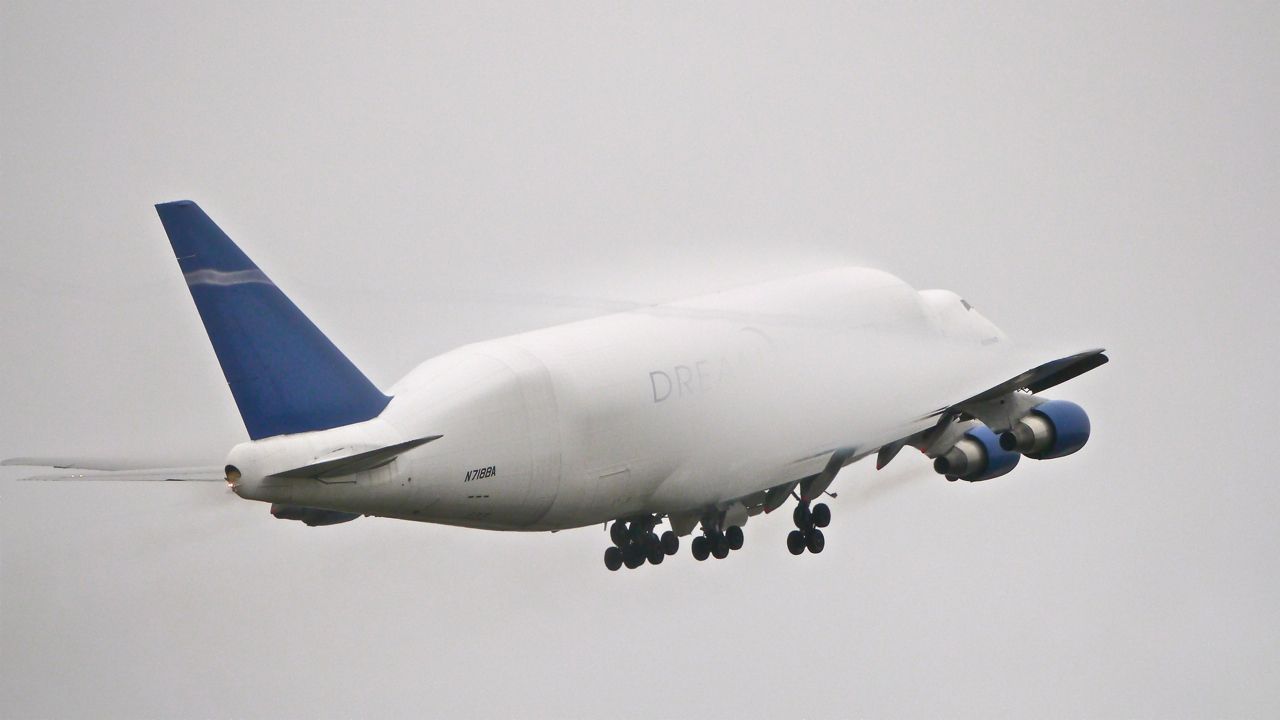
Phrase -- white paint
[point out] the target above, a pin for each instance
(675, 409)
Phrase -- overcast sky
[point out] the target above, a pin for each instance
(419, 176)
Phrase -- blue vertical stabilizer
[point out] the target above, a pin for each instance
(285, 375)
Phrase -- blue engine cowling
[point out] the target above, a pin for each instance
(313, 517)
(977, 455)
(1051, 430)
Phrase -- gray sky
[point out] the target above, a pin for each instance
(417, 177)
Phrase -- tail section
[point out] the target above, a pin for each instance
(285, 375)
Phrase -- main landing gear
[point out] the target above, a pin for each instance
(716, 543)
(635, 543)
(807, 535)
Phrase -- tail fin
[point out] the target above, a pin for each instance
(285, 375)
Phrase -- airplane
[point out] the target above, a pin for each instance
(701, 413)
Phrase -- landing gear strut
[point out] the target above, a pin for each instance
(807, 535)
(635, 543)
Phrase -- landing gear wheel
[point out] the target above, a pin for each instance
(652, 544)
(701, 548)
(670, 543)
(816, 541)
(656, 556)
(720, 547)
(821, 515)
(618, 533)
(734, 536)
(633, 557)
(795, 542)
(612, 558)
(801, 516)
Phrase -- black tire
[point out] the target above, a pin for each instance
(795, 542)
(821, 515)
(815, 542)
(637, 533)
(612, 558)
(720, 547)
(670, 543)
(800, 516)
(655, 556)
(652, 543)
(618, 533)
(734, 537)
(701, 548)
(633, 556)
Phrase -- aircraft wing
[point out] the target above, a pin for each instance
(813, 474)
(1038, 378)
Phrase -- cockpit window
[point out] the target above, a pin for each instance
(966, 304)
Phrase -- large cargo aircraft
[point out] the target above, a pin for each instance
(701, 414)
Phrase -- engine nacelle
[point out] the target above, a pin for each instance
(977, 455)
(313, 517)
(1051, 430)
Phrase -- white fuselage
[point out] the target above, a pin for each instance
(663, 410)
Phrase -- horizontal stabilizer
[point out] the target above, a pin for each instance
(351, 464)
(177, 474)
(94, 462)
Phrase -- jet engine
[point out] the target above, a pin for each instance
(313, 517)
(1051, 430)
(977, 455)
